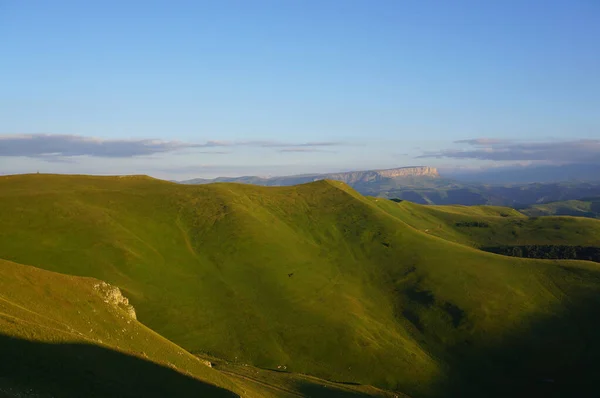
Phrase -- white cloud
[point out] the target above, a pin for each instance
(54, 147)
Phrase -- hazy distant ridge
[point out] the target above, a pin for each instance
(351, 177)
(354, 177)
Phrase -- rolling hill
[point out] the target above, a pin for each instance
(577, 208)
(319, 280)
(66, 336)
(484, 226)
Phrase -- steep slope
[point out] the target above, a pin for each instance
(208, 267)
(68, 336)
(315, 278)
(71, 336)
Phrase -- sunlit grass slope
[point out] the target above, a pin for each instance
(579, 208)
(315, 278)
(66, 336)
(51, 324)
(481, 226)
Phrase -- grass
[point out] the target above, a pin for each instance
(506, 226)
(578, 208)
(60, 337)
(57, 327)
(316, 277)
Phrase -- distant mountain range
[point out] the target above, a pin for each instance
(353, 178)
(528, 174)
(425, 185)
(517, 196)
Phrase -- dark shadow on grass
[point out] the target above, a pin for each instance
(548, 252)
(82, 370)
(555, 356)
(315, 390)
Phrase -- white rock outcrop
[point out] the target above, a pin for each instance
(112, 295)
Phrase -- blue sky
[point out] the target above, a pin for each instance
(180, 89)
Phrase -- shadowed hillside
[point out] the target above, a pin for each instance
(562, 359)
(314, 278)
(76, 370)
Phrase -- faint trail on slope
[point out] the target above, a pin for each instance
(67, 332)
(254, 380)
(186, 239)
(32, 312)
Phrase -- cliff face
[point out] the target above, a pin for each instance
(355, 177)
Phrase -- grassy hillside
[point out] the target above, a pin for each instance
(578, 208)
(71, 337)
(56, 327)
(317, 279)
(482, 226)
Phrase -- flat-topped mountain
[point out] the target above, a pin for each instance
(353, 178)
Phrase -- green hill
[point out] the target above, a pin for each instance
(62, 328)
(483, 226)
(322, 281)
(69, 336)
(579, 208)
